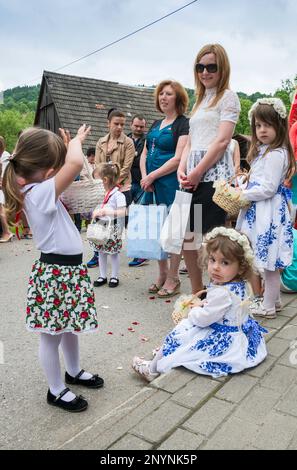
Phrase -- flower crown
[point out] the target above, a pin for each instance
(277, 104)
(235, 236)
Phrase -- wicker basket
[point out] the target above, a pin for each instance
(83, 196)
(228, 198)
(183, 305)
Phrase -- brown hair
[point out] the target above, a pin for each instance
(223, 69)
(37, 149)
(182, 99)
(2, 144)
(231, 250)
(115, 113)
(108, 170)
(267, 114)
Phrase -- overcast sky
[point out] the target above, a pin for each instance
(260, 37)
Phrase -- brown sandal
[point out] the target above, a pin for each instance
(164, 293)
(154, 288)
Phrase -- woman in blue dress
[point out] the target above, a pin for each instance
(159, 162)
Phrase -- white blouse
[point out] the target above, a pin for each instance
(204, 124)
(204, 127)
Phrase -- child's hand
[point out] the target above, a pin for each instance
(197, 303)
(82, 132)
(65, 136)
(99, 213)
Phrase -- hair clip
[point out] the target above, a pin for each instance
(12, 156)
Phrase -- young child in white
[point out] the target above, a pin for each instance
(60, 302)
(267, 221)
(218, 337)
(114, 208)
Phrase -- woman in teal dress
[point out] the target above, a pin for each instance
(159, 162)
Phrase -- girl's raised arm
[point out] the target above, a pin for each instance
(73, 161)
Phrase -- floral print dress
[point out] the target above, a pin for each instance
(217, 339)
(267, 221)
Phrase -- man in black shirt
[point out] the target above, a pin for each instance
(138, 124)
(138, 136)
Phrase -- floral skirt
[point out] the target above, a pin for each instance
(60, 300)
(114, 244)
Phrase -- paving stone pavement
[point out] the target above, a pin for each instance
(256, 409)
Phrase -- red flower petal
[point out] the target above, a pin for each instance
(110, 333)
(131, 329)
(167, 301)
(152, 297)
(135, 323)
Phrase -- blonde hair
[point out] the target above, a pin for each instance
(37, 149)
(108, 170)
(223, 70)
(181, 100)
(267, 114)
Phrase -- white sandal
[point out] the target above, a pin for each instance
(142, 368)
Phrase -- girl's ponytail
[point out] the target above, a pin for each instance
(14, 199)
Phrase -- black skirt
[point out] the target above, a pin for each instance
(212, 215)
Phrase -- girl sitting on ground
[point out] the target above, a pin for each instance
(218, 337)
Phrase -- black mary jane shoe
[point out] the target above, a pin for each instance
(100, 281)
(113, 282)
(94, 382)
(75, 406)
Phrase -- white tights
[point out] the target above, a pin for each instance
(50, 360)
(115, 264)
(272, 289)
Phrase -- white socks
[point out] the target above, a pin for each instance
(103, 265)
(154, 361)
(115, 264)
(70, 348)
(272, 289)
(50, 361)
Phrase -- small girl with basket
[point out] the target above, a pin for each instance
(112, 214)
(267, 221)
(218, 337)
(60, 299)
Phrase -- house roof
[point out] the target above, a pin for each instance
(79, 100)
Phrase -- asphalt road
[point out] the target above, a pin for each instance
(26, 421)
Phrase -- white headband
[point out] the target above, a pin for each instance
(277, 104)
(235, 236)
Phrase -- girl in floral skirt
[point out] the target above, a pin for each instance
(218, 337)
(267, 221)
(113, 209)
(60, 303)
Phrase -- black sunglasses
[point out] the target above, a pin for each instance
(211, 68)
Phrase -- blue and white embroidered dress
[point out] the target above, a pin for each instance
(267, 221)
(217, 339)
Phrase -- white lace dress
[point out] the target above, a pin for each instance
(217, 339)
(204, 126)
(267, 221)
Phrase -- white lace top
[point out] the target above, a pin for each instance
(204, 125)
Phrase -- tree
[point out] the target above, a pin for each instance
(286, 91)
(11, 123)
(243, 125)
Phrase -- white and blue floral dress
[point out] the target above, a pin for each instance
(267, 221)
(217, 339)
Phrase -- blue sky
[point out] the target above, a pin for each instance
(259, 36)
